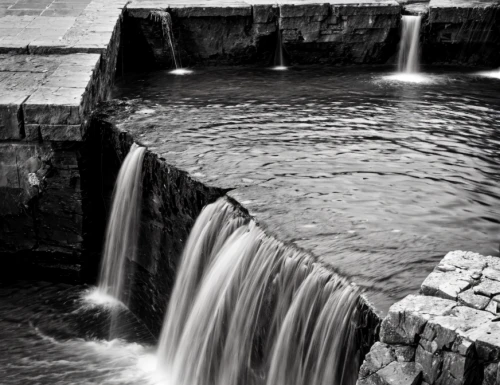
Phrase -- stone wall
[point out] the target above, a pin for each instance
(462, 32)
(243, 33)
(449, 334)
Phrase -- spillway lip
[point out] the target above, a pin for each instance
(181, 71)
(415, 78)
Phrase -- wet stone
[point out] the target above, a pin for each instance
(401, 373)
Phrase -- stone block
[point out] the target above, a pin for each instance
(487, 341)
(454, 364)
(447, 284)
(404, 353)
(431, 364)
(10, 125)
(380, 356)
(492, 374)
(401, 373)
(444, 330)
(492, 274)
(264, 13)
(54, 105)
(186, 10)
(318, 12)
(407, 318)
(53, 132)
(475, 301)
(487, 287)
(465, 260)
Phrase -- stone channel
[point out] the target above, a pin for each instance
(58, 60)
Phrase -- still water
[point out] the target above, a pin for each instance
(377, 176)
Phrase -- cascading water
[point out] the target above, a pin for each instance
(409, 50)
(246, 308)
(279, 59)
(123, 226)
(168, 36)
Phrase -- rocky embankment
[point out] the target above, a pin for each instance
(449, 334)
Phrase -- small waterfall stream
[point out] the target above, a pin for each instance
(279, 59)
(246, 308)
(168, 36)
(123, 226)
(409, 49)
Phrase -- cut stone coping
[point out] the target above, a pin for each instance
(49, 28)
(45, 97)
(451, 327)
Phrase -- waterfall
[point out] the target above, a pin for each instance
(166, 29)
(123, 226)
(409, 55)
(279, 59)
(246, 308)
(168, 37)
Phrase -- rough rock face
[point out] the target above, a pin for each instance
(450, 332)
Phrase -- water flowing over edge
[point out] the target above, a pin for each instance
(409, 48)
(247, 309)
(123, 227)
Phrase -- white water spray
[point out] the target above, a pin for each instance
(123, 226)
(245, 307)
(409, 49)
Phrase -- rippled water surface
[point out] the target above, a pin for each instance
(50, 335)
(377, 176)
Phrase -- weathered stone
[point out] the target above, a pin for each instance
(380, 356)
(53, 132)
(444, 330)
(401, 373)
(492, 374)
(492, 274)
(470, 299)
(404, 353)
(465, 260)
(407, 318)
(430, 363)
(492, 307)
(488, 288)
(446, 285)
(454, 364)
(487, 341)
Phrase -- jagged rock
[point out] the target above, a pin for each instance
(487, 341)
(454, 364)
(473, 300)
(431, 364)
(404, 353)
(380, 356)
(492, 307)
(444, 330)
(492, 374)
(407, 318)
(401, 373)
(487, 287)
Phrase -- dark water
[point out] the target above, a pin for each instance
(51, 335)
(378, 177)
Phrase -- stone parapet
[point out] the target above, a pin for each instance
(449, 334)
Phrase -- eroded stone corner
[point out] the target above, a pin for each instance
(449, 334)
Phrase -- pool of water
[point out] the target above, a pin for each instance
(51, 335)
(379, 176)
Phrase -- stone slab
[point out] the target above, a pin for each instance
(45, 97)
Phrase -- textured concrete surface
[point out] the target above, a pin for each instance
(451, 330)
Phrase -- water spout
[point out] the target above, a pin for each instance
(123, 226)
(409, 49)
(245, 307)
(279, 59)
